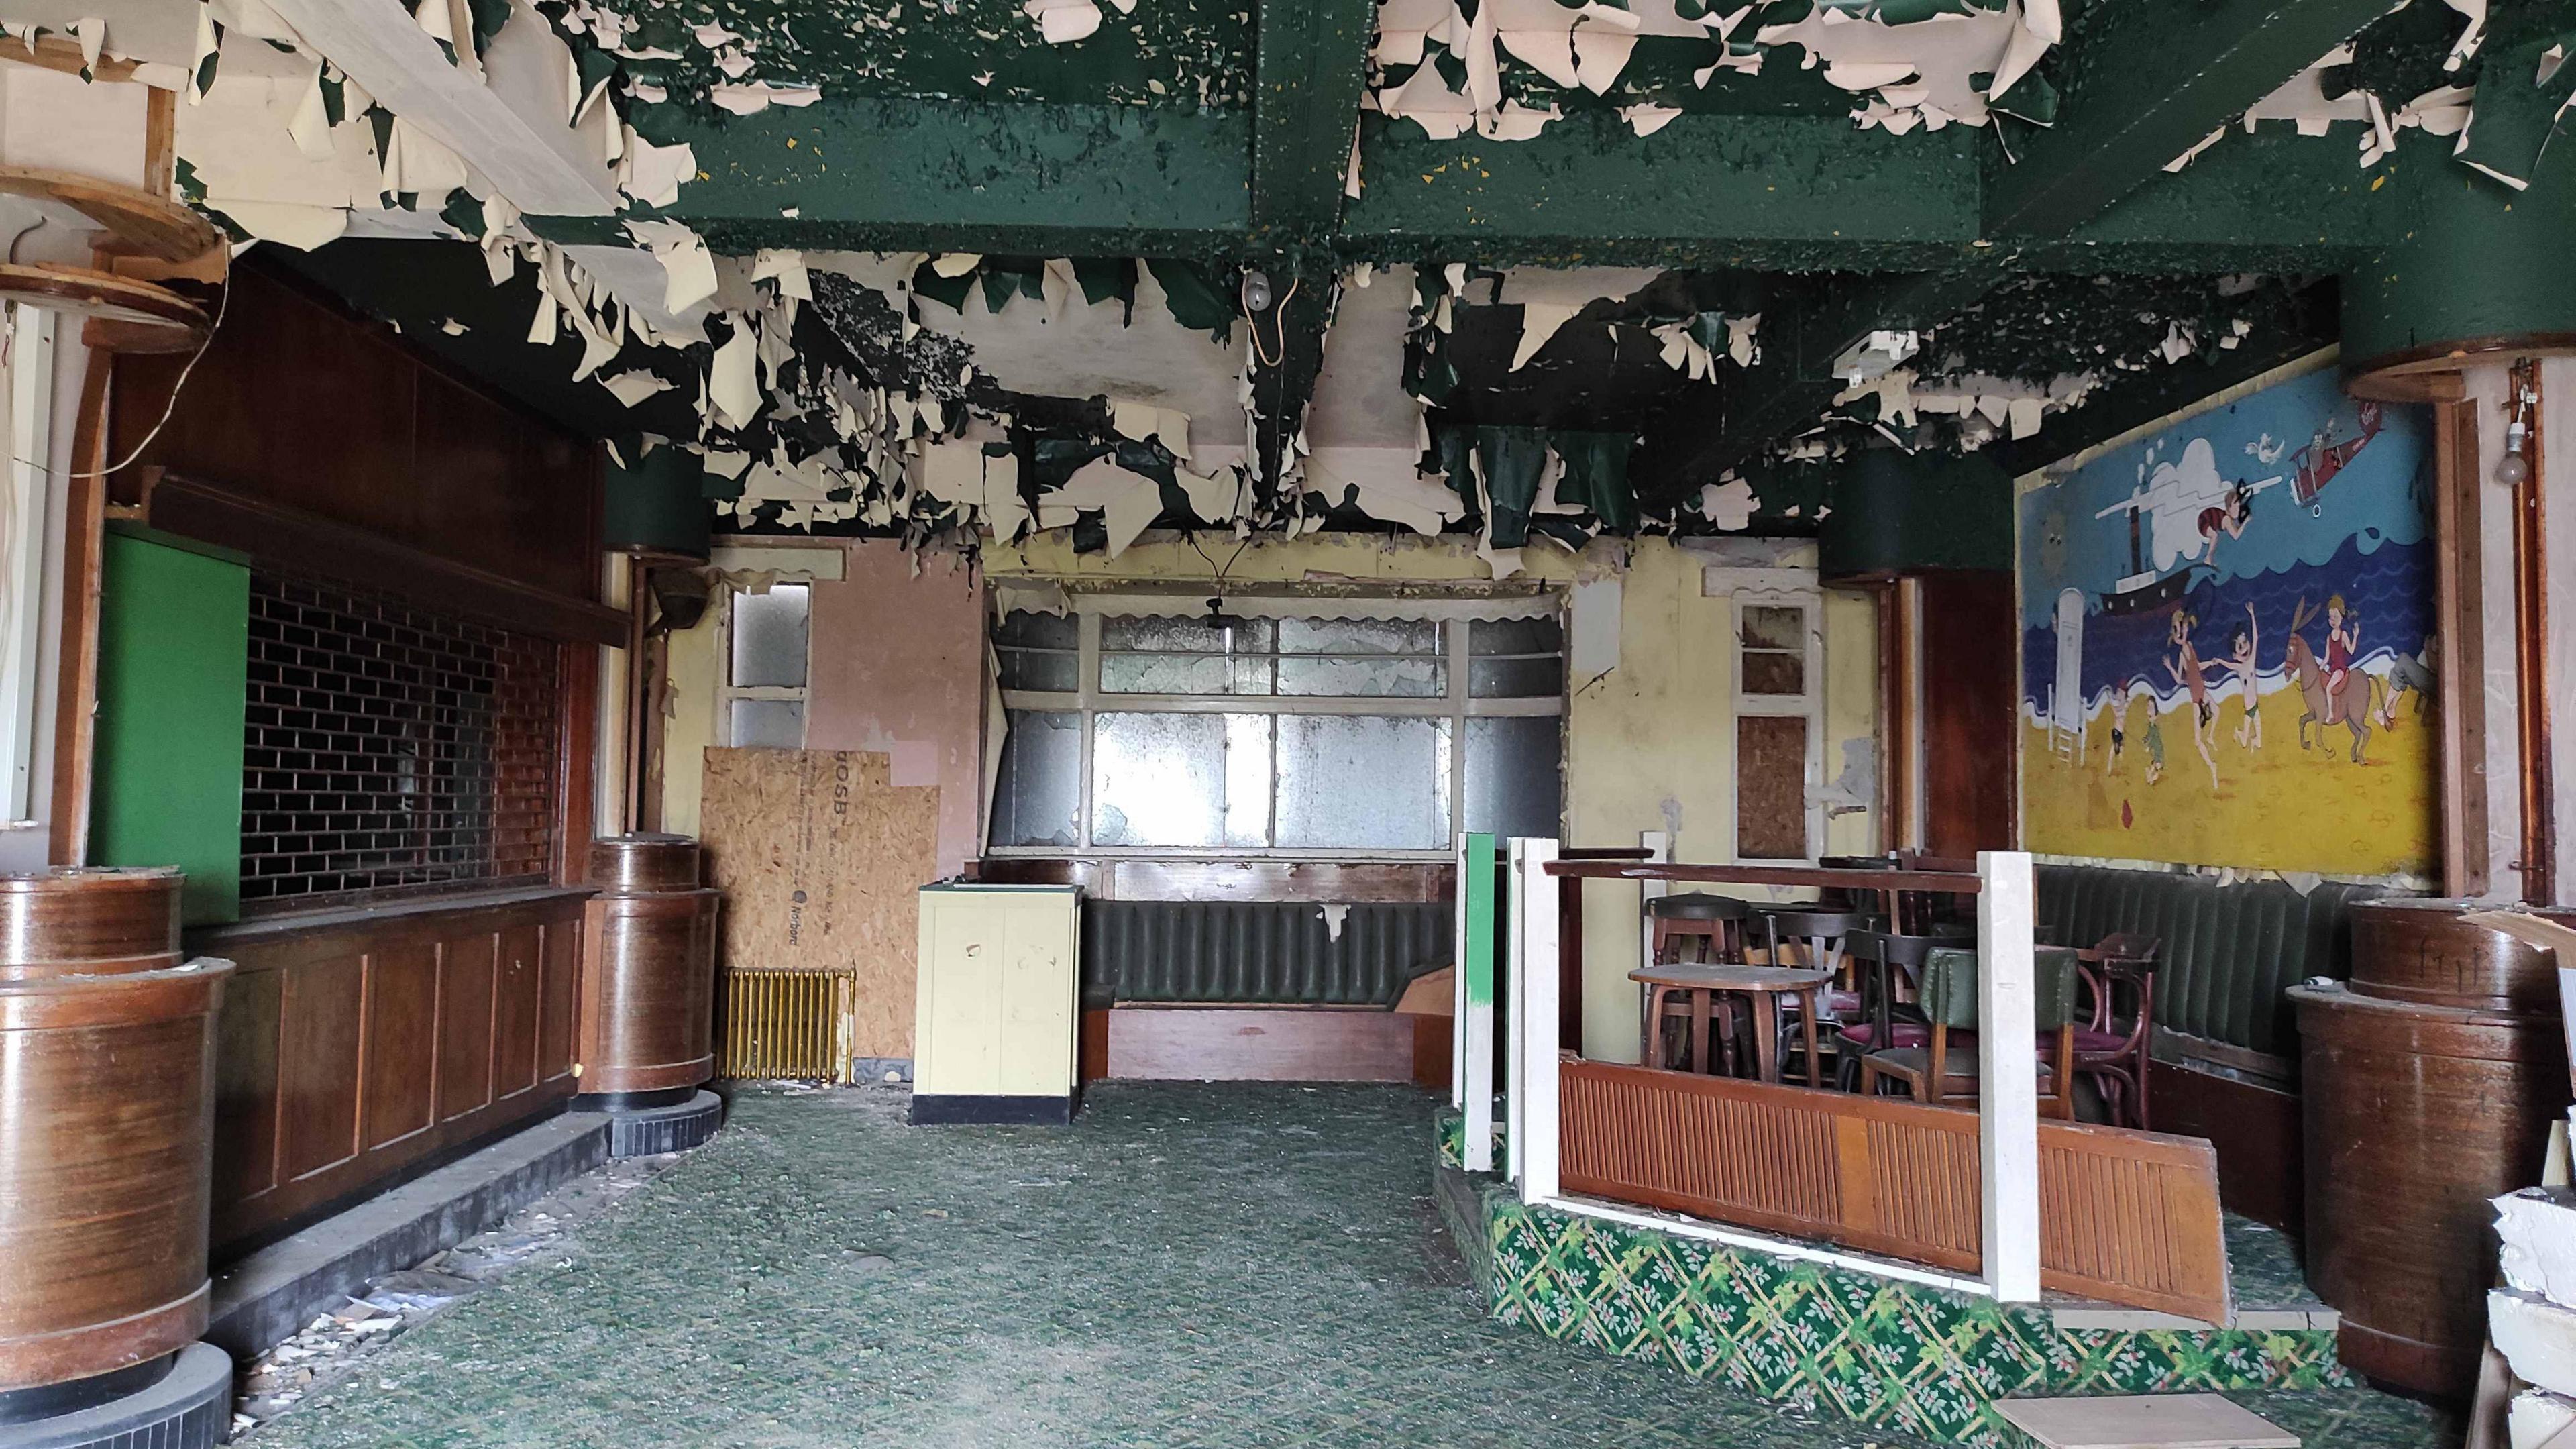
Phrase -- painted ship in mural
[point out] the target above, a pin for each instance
(2210, 605)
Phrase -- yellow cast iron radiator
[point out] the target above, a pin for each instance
(793, 1024)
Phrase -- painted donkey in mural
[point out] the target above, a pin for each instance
(2324, 685)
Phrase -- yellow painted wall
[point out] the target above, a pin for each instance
(1652, 747)
(688, 722)
(1659, 728)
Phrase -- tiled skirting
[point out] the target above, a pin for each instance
(1882, 1352)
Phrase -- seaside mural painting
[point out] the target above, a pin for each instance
(2227, 642)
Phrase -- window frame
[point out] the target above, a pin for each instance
(727, 691)
(1456, 617)
(1779, 588)
(29, 380)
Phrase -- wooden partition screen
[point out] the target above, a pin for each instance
(2125, 1217)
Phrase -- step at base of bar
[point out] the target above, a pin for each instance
(678, 1127)
(190, 1407)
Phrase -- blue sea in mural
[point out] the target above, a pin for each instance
(2281, 500)
(2387, 589)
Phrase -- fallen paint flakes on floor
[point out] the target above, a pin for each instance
(327, 1354)
(1187, 1267)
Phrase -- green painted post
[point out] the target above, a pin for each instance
(173, 665)
(1478, 883)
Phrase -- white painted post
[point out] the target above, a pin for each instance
(2008, 1074)
(1515, 1013)
(1659, 851)
(1534, 1024)
(1458, 977)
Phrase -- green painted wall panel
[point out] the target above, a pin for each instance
(173, 660)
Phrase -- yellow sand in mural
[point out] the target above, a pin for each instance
(2280, 806)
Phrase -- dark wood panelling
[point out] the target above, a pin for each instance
(402, 1011)
(1970, 697)
(1363, 883)
(318, 1056)
(246, 1083)
(2255, 1131)
(325, 1027)
(518, 992)
(465, 1026)
(303, 405)
(561, 947)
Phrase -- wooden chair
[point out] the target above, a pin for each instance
(2114, 1055)
(1937, 1074)
(1815, 940)
(1877, 958)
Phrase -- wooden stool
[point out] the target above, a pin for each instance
(1716, 922)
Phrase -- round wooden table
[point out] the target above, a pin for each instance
(1764, 985)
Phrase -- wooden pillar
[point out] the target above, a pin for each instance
(1534, 1044)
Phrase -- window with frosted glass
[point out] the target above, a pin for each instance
(1282, 735)
(768, 645)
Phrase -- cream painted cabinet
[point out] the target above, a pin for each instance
(996, 1012)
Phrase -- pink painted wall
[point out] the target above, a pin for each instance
(898, 667)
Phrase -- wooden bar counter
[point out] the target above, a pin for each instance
(648, 993)
(106, 1125)
(2429, 1082)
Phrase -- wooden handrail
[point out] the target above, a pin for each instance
(1873, 881)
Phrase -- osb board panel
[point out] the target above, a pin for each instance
(819, 858)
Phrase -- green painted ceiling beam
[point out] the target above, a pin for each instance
(2141, 86)
(1310, 71)
(1054, 180)
(1768, 193)
(1772, 192)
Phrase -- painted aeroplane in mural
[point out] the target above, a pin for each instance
(2323, 458)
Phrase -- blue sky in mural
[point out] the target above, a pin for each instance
(2274, 504)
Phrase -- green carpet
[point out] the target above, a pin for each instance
(1217, 1266)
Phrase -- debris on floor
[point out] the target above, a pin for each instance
(338, 1343)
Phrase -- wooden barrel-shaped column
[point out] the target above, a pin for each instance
(2428, 1085)
(106, 1124)
(648, 973)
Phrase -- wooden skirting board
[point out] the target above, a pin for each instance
(1182, 1043)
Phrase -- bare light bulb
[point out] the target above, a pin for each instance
(2512, 470)
(1256, 291)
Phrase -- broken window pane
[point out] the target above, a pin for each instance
(1362, 658)
(1515, 659)
(1359, 636)
(1774, 674)
(1362, 782)
(1040, 652)
(1189, 635)
(1180, 779)
(776, 724)
(1513, 785)
(769, 638)
(1363, 677)
(1037, 800)
(1542, 635)
(1775, 626)
(1184, 674)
